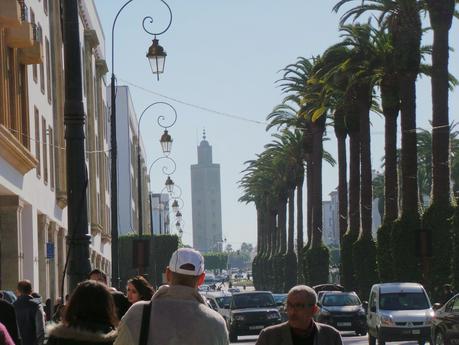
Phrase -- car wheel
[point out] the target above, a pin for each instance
(439, 339)
(371, 340)
(233, 337)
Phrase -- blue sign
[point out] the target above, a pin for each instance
(49, 250)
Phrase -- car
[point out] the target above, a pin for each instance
(445, 325)
(221, 302)
(281, 299)
(343, 310)
(399, 312)
(250, 312)
(233, 290)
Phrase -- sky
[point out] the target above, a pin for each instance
(223, 60)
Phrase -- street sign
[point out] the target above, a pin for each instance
(49, 250)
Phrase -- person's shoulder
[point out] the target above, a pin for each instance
(211, 314)
(324, 328)
(275, 328)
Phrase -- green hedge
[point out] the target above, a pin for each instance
(384, 253)
(290, 271)
(216, 261)
(404, 239)
(364, 260)
(437, 220)
(317, 265)
(347, 263)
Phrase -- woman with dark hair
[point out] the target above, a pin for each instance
(89, 318)
(139, 289)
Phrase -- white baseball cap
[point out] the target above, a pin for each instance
(187, 261)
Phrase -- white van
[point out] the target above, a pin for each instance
(399, 312)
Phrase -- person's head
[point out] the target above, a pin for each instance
(24, 288)
(139, 289)
(91, 304)
(301, 306)
(186, 267)
(98, 276)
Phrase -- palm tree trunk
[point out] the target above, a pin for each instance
(291, 220)
(281, 226)
(309, 202)
(342, 186)
(354, 183)
(299, 227)
(317, 155)
(390, 102)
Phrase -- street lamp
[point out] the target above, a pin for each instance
(166, 145)
(169, 184)
(113, 143)
(178, 215)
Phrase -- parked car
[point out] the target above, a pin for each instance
(221, 302)
(399, 312)
(344, 311)
(251, 312)
(281, 299)
(445, 325)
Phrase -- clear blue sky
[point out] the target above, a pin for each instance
(225, 55)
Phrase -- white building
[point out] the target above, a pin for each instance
(126, 136)
(330, 225)
(33, 193)
(159, 206)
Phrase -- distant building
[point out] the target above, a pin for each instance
(160, 220)
(206, 201)
(330, 221)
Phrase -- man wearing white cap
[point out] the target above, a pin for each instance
(177, 314)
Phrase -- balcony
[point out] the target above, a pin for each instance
(21, 36)
(33, 55)
(10, 13)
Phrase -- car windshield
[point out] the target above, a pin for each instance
(253, 300)
(403, 301)
(223, 301)
(340, 300)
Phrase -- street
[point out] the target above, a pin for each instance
(348, 339)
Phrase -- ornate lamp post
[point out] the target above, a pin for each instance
(155, 53)
(166, 145)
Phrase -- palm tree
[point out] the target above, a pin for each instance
(402, 19)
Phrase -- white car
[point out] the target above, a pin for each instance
(399, 312)
(220, 302)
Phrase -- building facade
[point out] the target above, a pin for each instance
(33, 192)
(127, 163)
(159, 210)
(206, 201)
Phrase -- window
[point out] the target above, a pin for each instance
(23, 106)
(37, 141)
(45, 150)
(51, 157)
(42, 71)
(34, 66)
(48, 70)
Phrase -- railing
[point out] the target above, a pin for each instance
(37, 33)
(24, 11)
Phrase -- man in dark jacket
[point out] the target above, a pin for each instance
(300, 327)
(30, 315)
(8, 318)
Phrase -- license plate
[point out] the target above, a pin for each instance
(255, 327)
(344, 324)
(416, 331)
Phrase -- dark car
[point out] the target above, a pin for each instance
(344, 311)
(445, 324)
(250, 312)
(281, 299)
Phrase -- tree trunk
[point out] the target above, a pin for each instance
(342, 187)
(390, 102)
(354, 183)
(281, 227)
(291, 221)
(299, 227)
(317, 155)
(309, 202)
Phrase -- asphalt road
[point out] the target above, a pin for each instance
(348, 339)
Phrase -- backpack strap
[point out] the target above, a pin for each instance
(145, 326)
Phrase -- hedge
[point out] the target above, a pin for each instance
(364, 260)
(404, 240)
(317, 265)
(384, 253)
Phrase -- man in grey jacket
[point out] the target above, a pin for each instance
(300, 327)
(179, 314)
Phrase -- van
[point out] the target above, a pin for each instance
(399, 312)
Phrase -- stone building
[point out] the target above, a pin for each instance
(33, 193)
